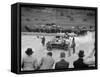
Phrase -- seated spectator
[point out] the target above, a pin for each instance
(47, 62)
(29, 62)
(80, 62)
(62, 64)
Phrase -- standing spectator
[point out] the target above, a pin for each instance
(73, 44)
(47, 62)
(43, 40)
(80, 62)
(62, 64)
(94, 48)
(29, 62)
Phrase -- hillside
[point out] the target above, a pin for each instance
(34, 17)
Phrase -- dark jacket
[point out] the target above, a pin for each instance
(62, 64)
(80, 64)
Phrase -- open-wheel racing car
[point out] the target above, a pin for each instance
(59, 42)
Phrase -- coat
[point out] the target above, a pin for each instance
(62, 64)
(80, 64)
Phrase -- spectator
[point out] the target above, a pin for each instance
(28, 62)
(80, 62)
(73, 44)
(62, 64)
(47, 62)
(43, 40)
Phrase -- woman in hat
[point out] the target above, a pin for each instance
(28, 62)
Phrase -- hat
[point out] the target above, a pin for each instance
(81, 53)
(29, 51)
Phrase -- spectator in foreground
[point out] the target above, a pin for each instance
(62, 64)
(80, 62)
(47, 62)
(29, 62)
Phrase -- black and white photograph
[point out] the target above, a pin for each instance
(54, 38)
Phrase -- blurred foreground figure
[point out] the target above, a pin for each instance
(80, 62)
(62, 64)
(47, 62)
(29, 62)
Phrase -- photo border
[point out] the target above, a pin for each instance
(19, 5)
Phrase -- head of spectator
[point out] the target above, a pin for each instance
(29, 51)
(62, 55)
(49, 54)
(81, 54)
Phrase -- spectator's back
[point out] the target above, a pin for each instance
(80, 64)
(62, 64)
(47, 62)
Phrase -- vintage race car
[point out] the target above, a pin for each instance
(58, 42)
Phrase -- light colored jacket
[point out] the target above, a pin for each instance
(29, 63)
(47, 62)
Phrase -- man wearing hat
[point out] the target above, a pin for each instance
(80, 62)
(29, 62)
